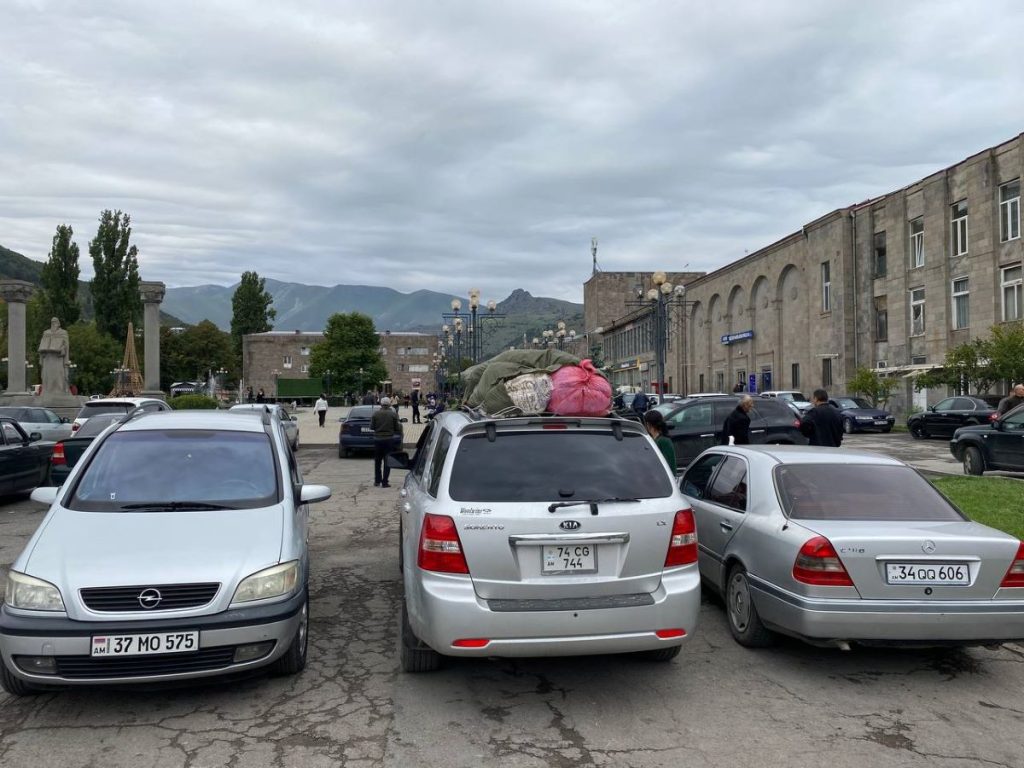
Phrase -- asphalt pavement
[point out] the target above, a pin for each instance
(716, 704)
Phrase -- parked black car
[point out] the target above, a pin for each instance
(997, 445)
(355, 433)
(24, 458)
(859, 415)
(697, 424)
(68, 451)
(947, 416)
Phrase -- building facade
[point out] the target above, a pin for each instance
(268, 358)
(889, 284)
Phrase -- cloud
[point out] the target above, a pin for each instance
(439, 145)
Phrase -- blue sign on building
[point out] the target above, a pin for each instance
(729, 338)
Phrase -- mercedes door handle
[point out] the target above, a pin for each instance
(725, 526)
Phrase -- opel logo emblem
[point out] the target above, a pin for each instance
(150, 598)
(928, 547)
(569, 525)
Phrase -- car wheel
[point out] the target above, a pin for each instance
(416, 656)
(294, 659)
(744, 623)
(661, 654)
(886, 430)
(295, 445)
(848, 426)
(974, 462)
(344, 453)
(917, 432)
(13, 685)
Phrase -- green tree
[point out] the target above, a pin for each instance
(250, 309)
(978, 365)
(1004, 352)
(59, 278)
(878, 389)
(95, 355)
(350, 344)
(193, 353)
(115, 286)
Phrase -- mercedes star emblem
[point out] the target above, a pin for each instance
(928, 547)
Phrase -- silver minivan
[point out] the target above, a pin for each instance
(175, 549)
(543, 536)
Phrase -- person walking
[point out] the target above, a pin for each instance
(249, 396)
(1012, 400)
(822, 425)
(385, 426)
(260, 397)
(640, 404)
(321, 408)
(414, 400)
(737, 423)
(369, 399)
(655, 424)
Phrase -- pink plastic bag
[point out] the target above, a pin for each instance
(579, 390)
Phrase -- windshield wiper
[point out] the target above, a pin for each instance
(174, 506)
(592, 502)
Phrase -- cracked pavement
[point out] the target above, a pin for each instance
(717, 704)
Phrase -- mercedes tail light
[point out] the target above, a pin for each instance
(1015, 575)
(682, 546)
(440, 548)
(818, 564)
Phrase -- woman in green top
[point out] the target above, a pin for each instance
(655, 424)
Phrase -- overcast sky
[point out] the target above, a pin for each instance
(450, 145)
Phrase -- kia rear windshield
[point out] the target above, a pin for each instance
(170, 470)
(557, 465)
(859, 492)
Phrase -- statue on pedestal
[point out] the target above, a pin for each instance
(53, 359)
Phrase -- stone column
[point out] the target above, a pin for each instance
(152, 294)
(16, 293)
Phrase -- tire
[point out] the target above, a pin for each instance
(295, 445)
(294, 659)
(917, 432)
(14, 685)
(848, 426)
(974, 462)
(661, 654)
(741, 613)
(416, 656)
(344, 453)
(886, 430)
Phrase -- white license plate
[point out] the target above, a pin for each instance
(881, 423)
(568, 558)
(142, 645)
(928, 573)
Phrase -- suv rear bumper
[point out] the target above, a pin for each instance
(444, 608)
(70, 642)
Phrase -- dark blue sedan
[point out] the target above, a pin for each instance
(860, 416)
(355, 433)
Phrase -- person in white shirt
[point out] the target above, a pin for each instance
(321, 408)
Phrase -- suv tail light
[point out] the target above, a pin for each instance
(58, 454)
(796, 423)
(1015, 575)
(682, 546)
(994, 416)
(817, 563)
(440, 548)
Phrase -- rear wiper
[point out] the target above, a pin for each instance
(174, 506)
(592, 502)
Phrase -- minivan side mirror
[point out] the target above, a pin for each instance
(310, 494)
(398, 460)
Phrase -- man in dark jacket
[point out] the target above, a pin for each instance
(640, 404)
(385, 426)
(822, 425)
(737, 423)
(1012, 400)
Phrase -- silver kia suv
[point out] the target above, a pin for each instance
(543, 536)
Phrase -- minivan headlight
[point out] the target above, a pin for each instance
(270, 582)
(32, 594)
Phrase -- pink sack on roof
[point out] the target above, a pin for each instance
(579, 390)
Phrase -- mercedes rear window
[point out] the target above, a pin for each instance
(362, 412)
(557, 465)
(859, 492)
(236, 470)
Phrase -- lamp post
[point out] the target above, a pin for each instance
(474, 303)
(361, 393)
(659, 300)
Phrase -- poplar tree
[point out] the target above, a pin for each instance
(115, 287)
(250, 309)
(60, 278)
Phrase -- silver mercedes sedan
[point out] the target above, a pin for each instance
(837, 547)
(175, 549)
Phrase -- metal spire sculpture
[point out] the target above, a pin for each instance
(127, 378)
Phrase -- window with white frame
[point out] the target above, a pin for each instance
(917, 312)
(287, 361)
(1011, 284)
(1009, 211)
(959, 231)
(305, 369)
(418, 368)
(961, 303)
(917, 242)
(826, 286)
(304, 351)
(419, 351)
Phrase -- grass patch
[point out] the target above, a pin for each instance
(993, 501)
(900, 428)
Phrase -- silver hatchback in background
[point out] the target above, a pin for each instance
(543, 536)
(176, 549)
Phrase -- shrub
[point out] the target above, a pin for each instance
(193, 403)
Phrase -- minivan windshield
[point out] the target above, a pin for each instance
(859, 492)
(557, 465)
(178, 469)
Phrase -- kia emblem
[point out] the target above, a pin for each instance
(570, 525)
